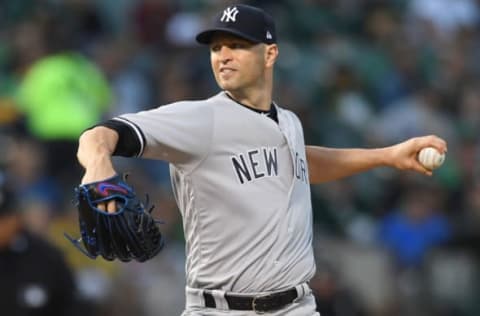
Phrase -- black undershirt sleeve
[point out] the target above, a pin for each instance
(128, 144)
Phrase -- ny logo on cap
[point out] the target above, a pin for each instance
(229, 14)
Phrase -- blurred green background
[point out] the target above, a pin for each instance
(359, 73)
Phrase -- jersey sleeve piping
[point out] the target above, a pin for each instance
(138, 133)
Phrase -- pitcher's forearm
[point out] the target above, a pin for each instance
(96, 145)
(327, 164)
(95, 150)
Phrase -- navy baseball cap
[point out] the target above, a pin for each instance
(244, 21)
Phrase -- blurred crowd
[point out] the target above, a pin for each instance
(359, 73)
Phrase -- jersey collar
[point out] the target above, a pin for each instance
(272, 113)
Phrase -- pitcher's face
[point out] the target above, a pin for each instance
(237, 63)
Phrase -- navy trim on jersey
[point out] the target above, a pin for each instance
(131, 141)
(140, 137)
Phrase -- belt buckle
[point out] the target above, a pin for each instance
(254, 305)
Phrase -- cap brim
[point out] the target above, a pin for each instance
(205, 37)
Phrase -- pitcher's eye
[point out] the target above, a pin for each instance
(215, 48)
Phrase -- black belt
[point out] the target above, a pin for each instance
(258, 303)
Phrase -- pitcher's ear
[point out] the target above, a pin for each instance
(271, 54)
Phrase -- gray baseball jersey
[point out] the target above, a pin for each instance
(241, 184)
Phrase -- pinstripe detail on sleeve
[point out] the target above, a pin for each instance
(138, 133)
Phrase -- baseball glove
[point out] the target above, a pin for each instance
(128, 234)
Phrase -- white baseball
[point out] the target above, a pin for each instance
(430, 158)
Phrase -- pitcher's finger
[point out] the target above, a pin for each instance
(111, 207)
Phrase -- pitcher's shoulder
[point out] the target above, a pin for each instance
(199, 103)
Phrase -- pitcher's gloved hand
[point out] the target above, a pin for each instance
(129, 233)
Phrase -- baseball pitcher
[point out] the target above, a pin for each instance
(241, 175)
